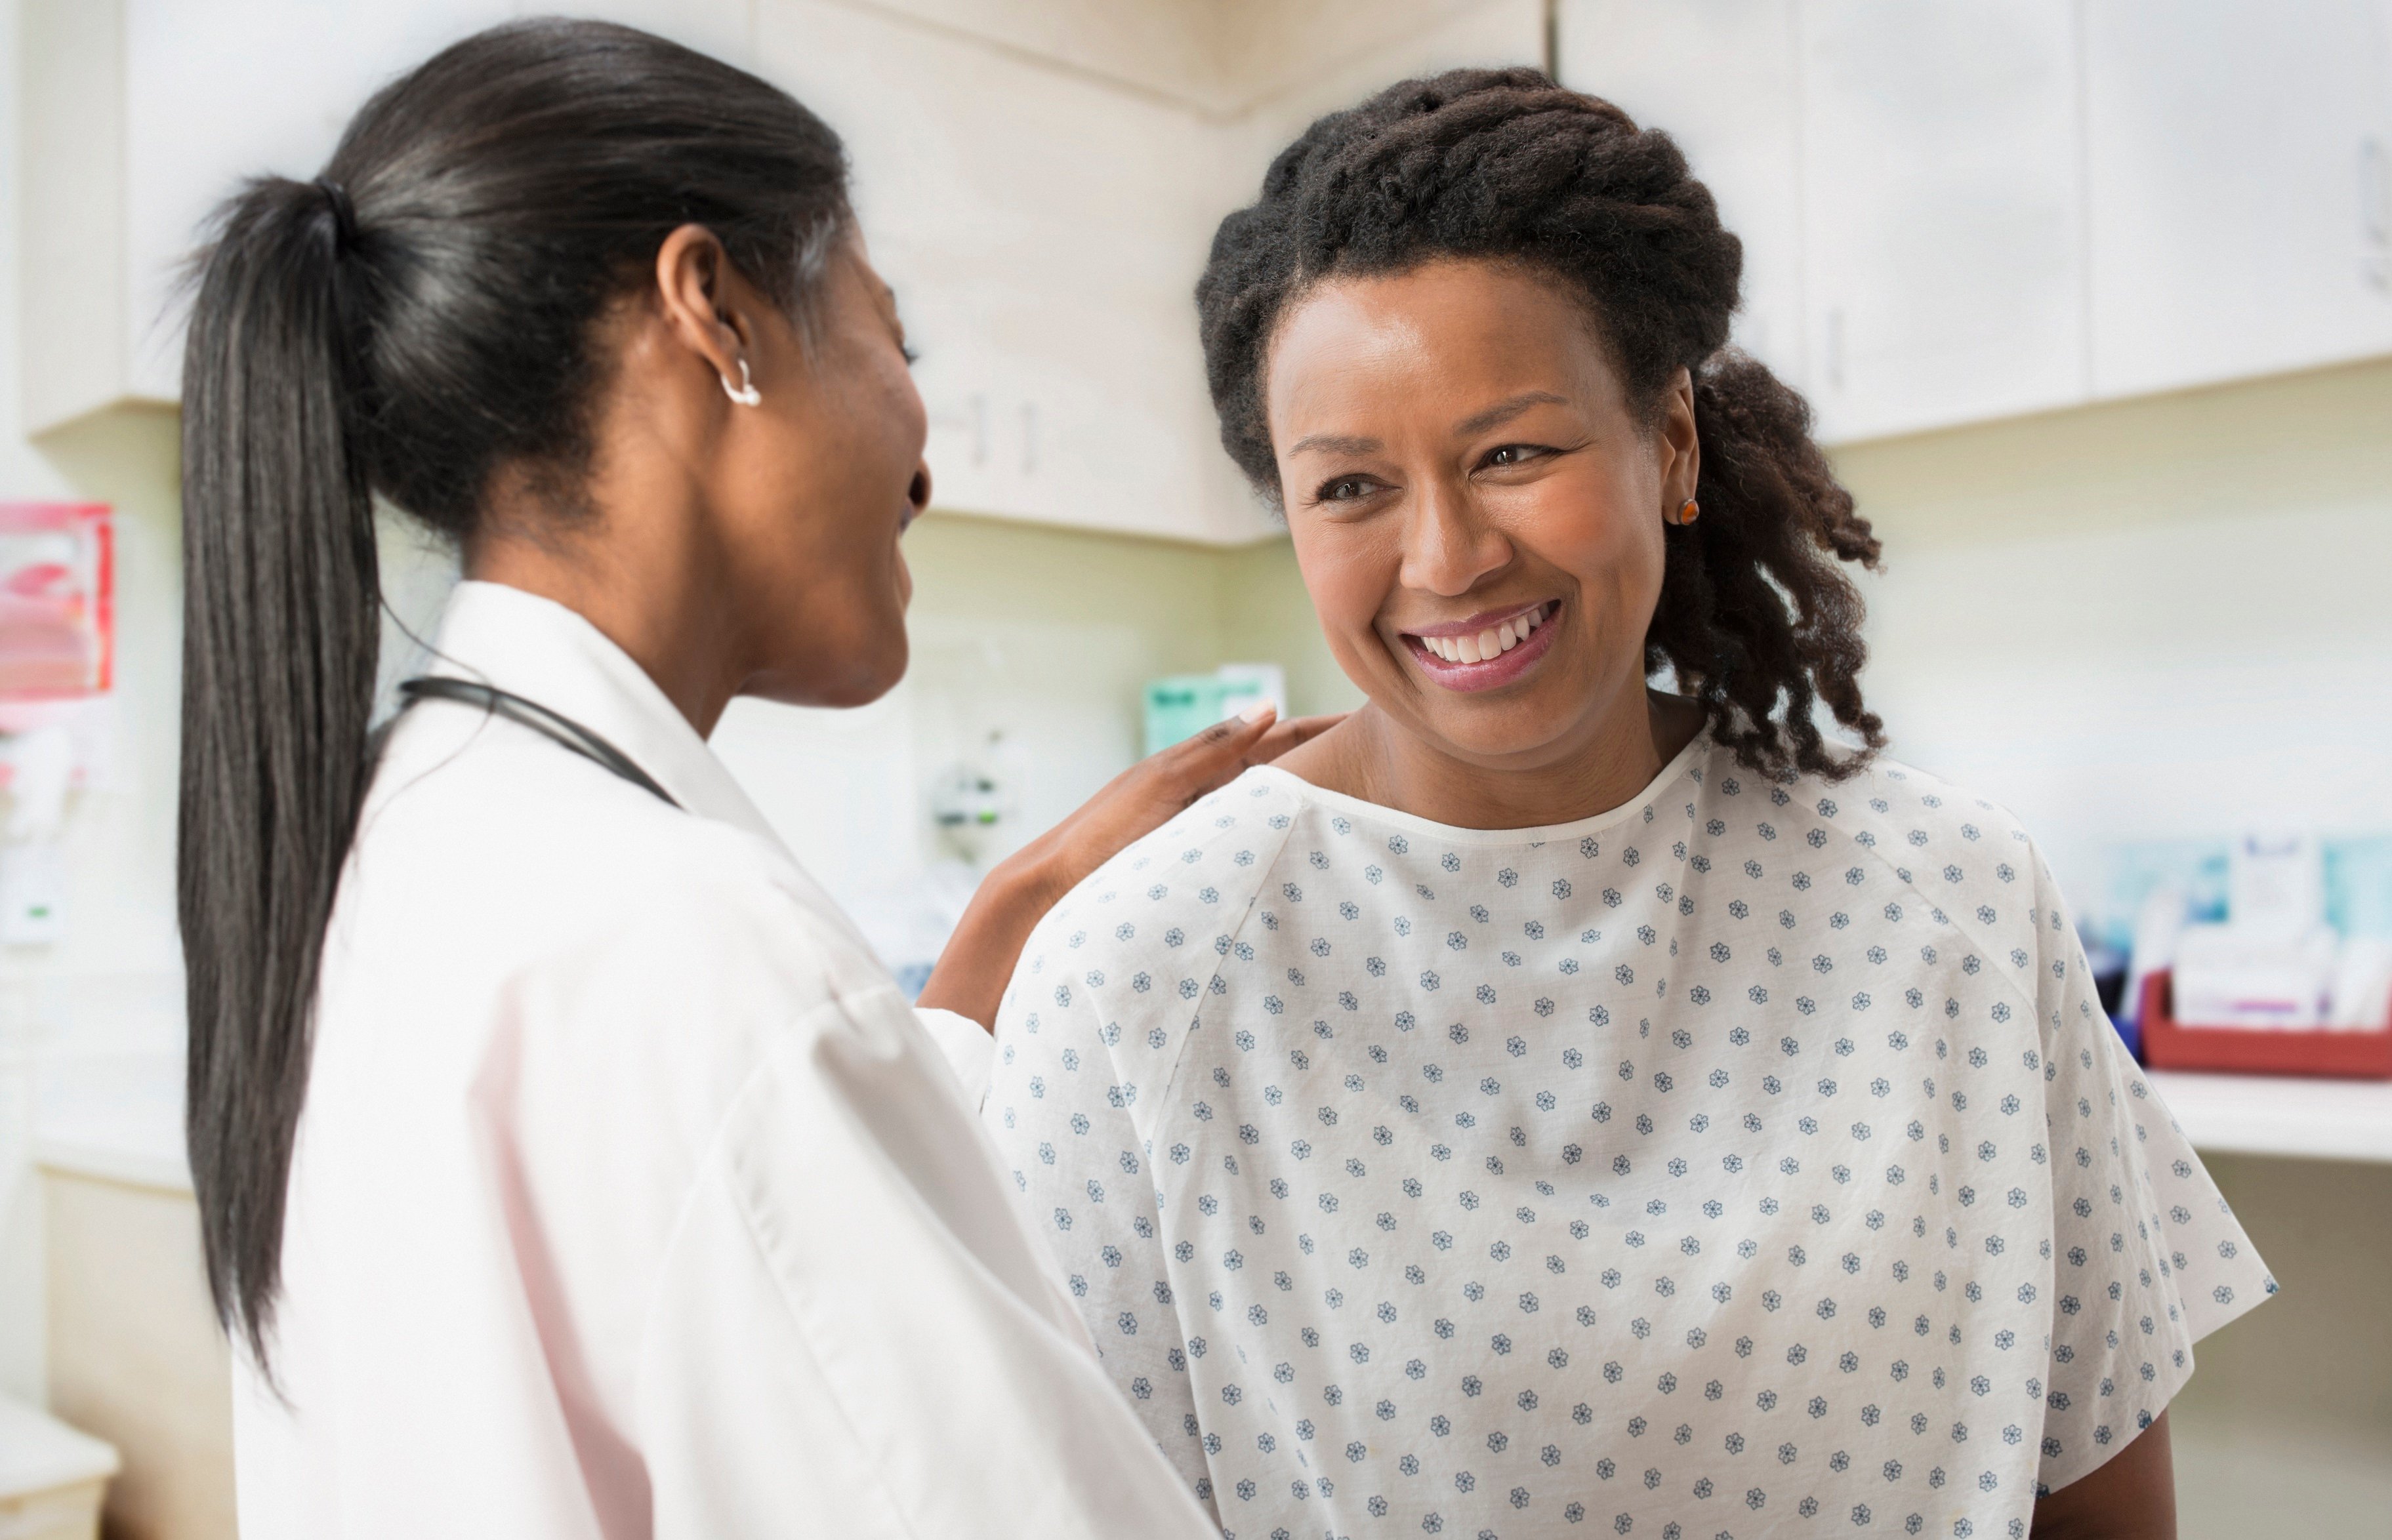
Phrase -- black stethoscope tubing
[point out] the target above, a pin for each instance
(553, 725)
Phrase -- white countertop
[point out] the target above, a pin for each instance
(2303, 1116)
(39, 1454)
(116, 1117)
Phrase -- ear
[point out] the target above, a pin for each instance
(703, 300)
(1679, 450)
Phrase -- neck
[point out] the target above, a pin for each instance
(1373, 757)
(652, 586)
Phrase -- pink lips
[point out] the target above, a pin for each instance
(1486, 673)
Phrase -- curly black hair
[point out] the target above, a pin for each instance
(1756, 619)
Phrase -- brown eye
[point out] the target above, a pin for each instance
(1344, 489)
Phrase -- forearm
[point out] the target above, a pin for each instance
(972, 971)
(2131, 1497)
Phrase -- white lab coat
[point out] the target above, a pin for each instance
(630, 1197)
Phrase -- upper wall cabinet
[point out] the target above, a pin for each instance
(1942, 212)
(1040, 234)
(142, 116)
(1719, 76)
(1044, 226)
(2240, 164)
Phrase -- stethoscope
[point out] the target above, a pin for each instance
(555, 726)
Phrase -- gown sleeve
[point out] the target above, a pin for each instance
(854, 1334)
(2147, 1257)
(1061, 1112)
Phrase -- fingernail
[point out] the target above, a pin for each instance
(1257, 711)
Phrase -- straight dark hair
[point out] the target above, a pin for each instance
(412, 322)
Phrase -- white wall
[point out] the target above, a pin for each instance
(2159, 618)
(113, 986)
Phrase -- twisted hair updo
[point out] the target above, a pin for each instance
(1757, 619)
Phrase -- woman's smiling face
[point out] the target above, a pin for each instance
(1476, 505)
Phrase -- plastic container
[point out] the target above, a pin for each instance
(52, 1477)
(2347, 1052)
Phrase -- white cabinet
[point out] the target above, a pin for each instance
(1044, 232)
(1942, 212)
(1719, 77)
(2239, 157)
(142, 115)
(1044, 228)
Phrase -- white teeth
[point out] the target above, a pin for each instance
(1492, 642)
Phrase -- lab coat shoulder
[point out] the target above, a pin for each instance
(853, 1332)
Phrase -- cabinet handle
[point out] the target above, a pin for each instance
(979, 428)
(1836, 346)
(2375, 214)
(1030, 438)
(2374, 191)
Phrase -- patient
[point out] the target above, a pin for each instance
(1544, 1100)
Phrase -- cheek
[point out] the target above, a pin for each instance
(1598, 531)
(1347, 576)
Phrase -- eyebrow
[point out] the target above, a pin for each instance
(1504, 411)
(1336, 444)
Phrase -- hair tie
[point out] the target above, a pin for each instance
(345, 215)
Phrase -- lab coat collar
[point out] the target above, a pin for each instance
(538, 649)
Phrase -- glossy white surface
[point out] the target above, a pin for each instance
(2325, 1120)
(38, 1452)
(118, 1117)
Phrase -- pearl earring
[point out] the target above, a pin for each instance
(746, 394)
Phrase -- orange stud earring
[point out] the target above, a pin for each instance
(1688, 511)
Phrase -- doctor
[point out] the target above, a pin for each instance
(568, 1166)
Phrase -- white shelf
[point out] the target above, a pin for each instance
(2319, 1120)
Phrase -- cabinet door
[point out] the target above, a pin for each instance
(217, 91)
(2240, 191)
(1041, 234)
(1719, 77)
(1942, 212)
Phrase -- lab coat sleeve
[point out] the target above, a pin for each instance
(968, 1045)
(853, 1335)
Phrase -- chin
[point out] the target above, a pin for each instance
(1500, 732)
(838, 685)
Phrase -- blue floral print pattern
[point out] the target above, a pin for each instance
(1753, 1159)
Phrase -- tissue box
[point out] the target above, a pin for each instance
(2363, 1054)
(2227, 975)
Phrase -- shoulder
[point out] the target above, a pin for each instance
(552, 868)
(1903, 816)
(1146, 932)
(1196, 877)
(1898, 847)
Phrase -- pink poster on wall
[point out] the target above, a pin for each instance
(57, 621)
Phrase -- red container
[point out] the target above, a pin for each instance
(2169, 1045)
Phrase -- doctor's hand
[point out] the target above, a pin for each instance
(973, 972)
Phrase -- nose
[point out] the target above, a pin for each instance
(1449, 550)
(918, 491)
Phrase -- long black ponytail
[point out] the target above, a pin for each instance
(411, 323)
